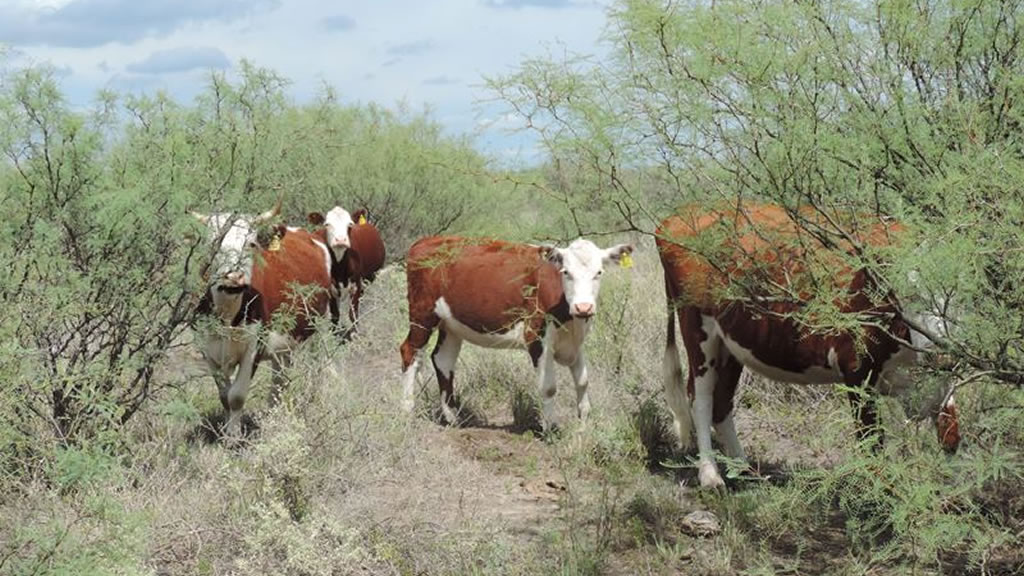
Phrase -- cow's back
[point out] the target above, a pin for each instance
(763, 249)
(488, 285)
(759, 244)
(294, 279)
(367, 243)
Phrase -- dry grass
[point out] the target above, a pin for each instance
(336, 480)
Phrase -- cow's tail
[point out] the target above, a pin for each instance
(672, 372)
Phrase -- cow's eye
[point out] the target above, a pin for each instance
(565, 272)
(599, 272)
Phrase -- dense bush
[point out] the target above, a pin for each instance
(102, 265)
(845, 111)
(907, 109)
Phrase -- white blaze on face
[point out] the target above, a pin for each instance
(232, 264)
(581, 265)
(337, 223)
(933, 317)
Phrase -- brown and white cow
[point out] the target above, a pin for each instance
(358, 254)
(502, 295)
(262, 302)
(735, 296)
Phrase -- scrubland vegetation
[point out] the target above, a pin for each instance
(109, 456)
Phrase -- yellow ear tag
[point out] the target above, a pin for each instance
(275, 244)
(626, 260)
(362, 219)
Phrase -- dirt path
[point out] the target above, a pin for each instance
(522, 464)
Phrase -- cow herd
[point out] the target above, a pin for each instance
(266, 290)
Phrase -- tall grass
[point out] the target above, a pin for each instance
(336, 480)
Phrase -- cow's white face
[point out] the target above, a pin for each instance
(937, 315)
(337, 223)
(581, 265)
(232, 263)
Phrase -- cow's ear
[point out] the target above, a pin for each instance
(315, 218)
(621, 253)
(360, 216)
(552, 254)
(269, 238)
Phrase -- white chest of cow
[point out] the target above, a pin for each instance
(225, 347)
(568, 340)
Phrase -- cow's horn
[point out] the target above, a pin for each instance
(269, 213)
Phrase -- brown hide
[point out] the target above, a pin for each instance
(365, 257)
(298, 261)
(360, 263)
(762, 247)
(362, 260)
(489, 285)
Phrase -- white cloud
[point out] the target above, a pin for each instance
(421, 53)
(89, 23)
(180, 60)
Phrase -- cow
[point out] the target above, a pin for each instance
(357, 255)
(499, 294)
(735, 295)
(261, 301)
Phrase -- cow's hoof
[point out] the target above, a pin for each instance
(448, 416)
(709, 476)
(551, 432)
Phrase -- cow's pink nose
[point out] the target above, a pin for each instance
(584, 309)
(235, 278)
(340, 243)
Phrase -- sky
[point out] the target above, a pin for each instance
(418, 52)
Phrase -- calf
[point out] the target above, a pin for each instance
(357, 255)
(763, 251)
(258, 309)
(502, 295)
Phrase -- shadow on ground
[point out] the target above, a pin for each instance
(210, 429)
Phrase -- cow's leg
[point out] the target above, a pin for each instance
(353, 292)
(411, 350)
(703, 350)
(221, 377)
(223, 385)
(581, 379)
(223, 380)
(675, 391)
(729, 372)
(239, 391)
(278, 363)
(332, 304)
(542, 354)
(343, 301)
(356, 292)
(862, 399)
(445, 354)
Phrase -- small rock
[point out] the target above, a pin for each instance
(701, 523)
